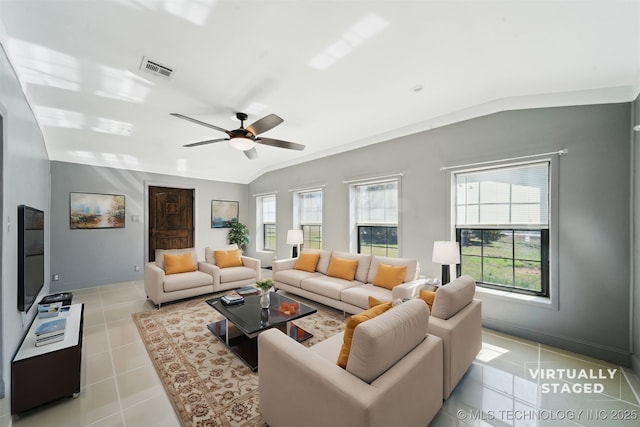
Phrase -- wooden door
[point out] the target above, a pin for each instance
(170, 219)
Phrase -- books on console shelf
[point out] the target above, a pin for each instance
(51, 328)
(49, 310)
(40, 341)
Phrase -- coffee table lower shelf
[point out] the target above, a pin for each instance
(246, 347)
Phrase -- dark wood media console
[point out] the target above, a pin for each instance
(44, 374)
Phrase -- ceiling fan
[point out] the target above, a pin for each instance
(245, 139)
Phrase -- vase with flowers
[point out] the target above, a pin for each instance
(265, 286)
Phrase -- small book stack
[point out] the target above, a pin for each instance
(248, 290)
(232, 299)
(49, 310)
(50, 332)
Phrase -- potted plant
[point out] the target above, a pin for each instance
(264, 286)
(239, 234)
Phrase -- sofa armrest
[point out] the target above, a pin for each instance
(252, 263)
(289, 371)
(211, 269)
(153, 281)
(462, 339)
(407, 290)
(284, 264)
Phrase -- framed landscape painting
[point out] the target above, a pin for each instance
(223, 213)
(91, 210)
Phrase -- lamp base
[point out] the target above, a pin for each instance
(295, 252)
(445, 274)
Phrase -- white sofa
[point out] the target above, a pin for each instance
(382, 385)
(349, 296)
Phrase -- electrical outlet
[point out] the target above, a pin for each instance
(136, 268)
(56, 277)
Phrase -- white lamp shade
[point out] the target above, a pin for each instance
(445, 252)
(242, 144)
(294, 237)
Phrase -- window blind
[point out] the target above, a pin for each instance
(513, 196)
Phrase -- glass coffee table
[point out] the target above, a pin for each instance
(243, 323)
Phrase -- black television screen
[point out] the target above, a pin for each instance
(30, 255)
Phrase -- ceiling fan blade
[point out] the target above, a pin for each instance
(198, 122)
(208, 141)
(251, 154)
(280, 143)
(264, 124)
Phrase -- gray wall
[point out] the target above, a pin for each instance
(635, 300)
(592, 315)
(87, 258)
(25, 181)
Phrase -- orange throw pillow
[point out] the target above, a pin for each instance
(229, 258)
(374, 301)
(428, 297)
(389, 276)
(178, 263)
(352, 322)
(342, 268)
(307, 262)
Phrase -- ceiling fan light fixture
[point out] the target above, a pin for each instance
(241, 143)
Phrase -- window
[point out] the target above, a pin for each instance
(267, 222)
(502, 224)
(375, 213)
(308, 216)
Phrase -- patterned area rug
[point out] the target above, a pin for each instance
(207, 384)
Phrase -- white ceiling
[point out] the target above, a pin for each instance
(78, 61)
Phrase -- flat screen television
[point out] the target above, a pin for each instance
(30, 255)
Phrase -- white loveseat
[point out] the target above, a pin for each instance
(350, 296)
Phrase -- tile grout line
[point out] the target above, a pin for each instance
(113, 366)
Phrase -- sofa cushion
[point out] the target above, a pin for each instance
(209, 253)
(160, 255)
(359, 295)
(389, 276)
(352, 323)
(323, 262)
(174, 264)
(453, 297)
(293, 277)
(412, 272)
(230, 258)
(307, 262)
(233, 274)
(342, 268)
(428, 297)
(331, 287)
(193, 279)
(379, 343)
(364, 262)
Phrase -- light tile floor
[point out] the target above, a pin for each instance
(120, 386)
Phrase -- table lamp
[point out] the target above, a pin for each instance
(446, 253)
(295, 238)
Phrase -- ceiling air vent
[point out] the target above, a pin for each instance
(157, 69)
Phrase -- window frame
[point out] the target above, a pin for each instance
(354, 214)
(550, 298)
(262, 225)
(300, 224)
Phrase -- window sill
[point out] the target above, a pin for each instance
(532, 300)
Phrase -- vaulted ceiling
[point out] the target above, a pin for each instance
(342, 74)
